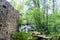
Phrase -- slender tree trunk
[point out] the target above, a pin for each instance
(46, 13)
(36, 3)
(53, 6)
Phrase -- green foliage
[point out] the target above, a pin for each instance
(54, 24)
(23, 36)
(19, 6)
(35, 16)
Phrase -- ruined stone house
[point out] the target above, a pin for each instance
(8, 20)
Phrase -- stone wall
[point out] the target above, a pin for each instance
(8, 20)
